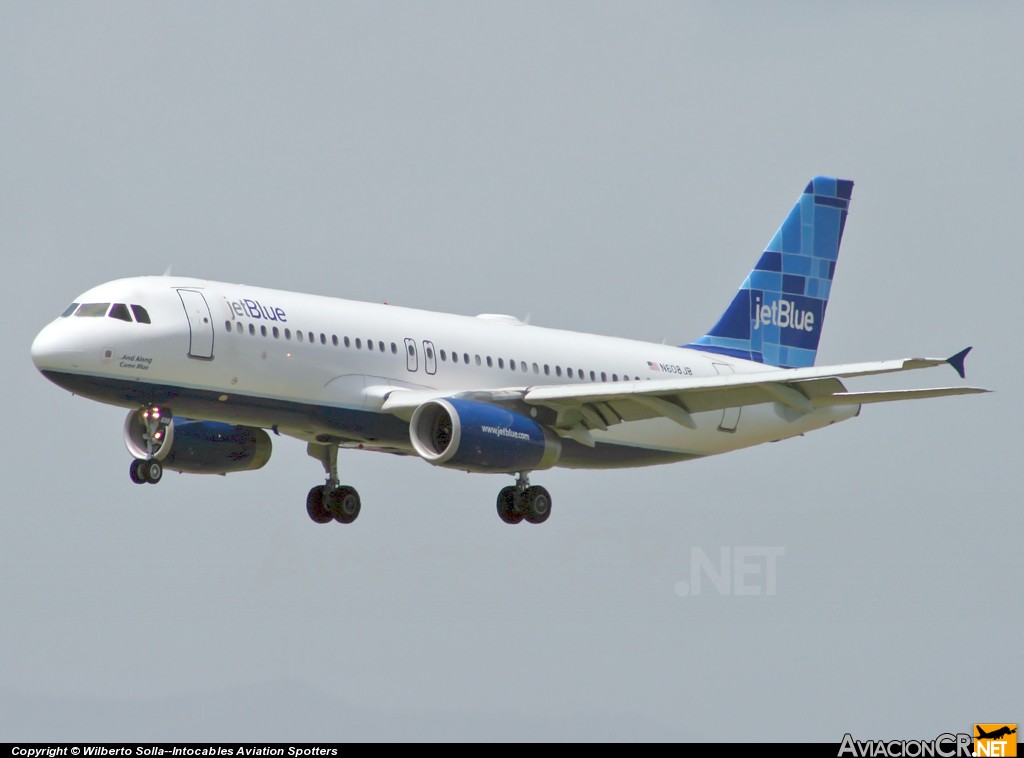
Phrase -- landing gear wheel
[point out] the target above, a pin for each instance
(154, 471)
(536, 505)
(344, 504)
(145, 472)
(507, 511)
(315, 506)
(136, 472)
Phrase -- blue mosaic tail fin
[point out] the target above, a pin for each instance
(777, 315)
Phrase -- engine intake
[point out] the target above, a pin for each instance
(200, 447)
(472, 436)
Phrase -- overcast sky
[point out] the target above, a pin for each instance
(605, 167)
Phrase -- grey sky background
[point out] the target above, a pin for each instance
(605, 167)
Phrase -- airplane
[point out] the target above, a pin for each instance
(206, 368)
(995, 734)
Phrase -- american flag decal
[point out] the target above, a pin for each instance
(653, 366)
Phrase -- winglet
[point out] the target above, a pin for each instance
(957, 361)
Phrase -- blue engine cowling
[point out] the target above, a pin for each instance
(472, 436)
(201, 447)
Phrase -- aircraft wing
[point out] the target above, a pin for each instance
(581, 408)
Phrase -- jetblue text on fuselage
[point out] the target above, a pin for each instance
(782, 313)
(256, 310)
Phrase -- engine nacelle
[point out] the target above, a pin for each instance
(472, 436)
(201, 447)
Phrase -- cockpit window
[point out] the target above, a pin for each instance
(69, 310)
(141, 315)
(92, 310)
(120, 311)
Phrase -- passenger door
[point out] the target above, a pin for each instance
(200, 324)
(730, 416)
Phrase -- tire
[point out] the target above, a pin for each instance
(344, 504)
(136, 472)
(537, 506)
(506, 504)
(153, 471)
(315, 507)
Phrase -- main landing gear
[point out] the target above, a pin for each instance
(521, 501)
(149, 470)
(331, 501)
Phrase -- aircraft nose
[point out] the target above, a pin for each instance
(48, 348)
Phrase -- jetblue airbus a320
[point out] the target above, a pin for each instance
(206, 367)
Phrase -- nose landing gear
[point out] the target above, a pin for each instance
(145, 472)
(155, 433)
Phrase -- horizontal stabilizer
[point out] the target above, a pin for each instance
(862, 398)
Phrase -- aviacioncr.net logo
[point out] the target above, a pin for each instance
(946, 745)
(995, 740)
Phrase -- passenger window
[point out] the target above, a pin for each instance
(604, 377)
(455, 357)
(263, 331)
(252, 330)
(547, 370)
(369, 344)
(536, 368)
(227, 326)
(277, 333)
(312, 338)
(323, 338)
(465, 358)
(69, 310)
(359, 344)
(558, 370)
(298, 335)
(444, 356)
(478, 359)
(512, 365)
(593, 377)
(287, 334)
(615, 377)
(522, 366)
(490, 363)
(381, 345)
(347, 343)
(430, 353)
(238, 327)
(568, 373)
(93, 310)
(501, 363)
(334, 340)
(394, 349)
(141, 314)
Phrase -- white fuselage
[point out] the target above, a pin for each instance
(320, 368)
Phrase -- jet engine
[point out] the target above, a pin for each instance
(473, 436)
(199, 447)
